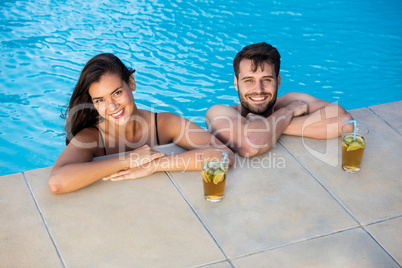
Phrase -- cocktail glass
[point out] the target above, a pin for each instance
(215, 164)
(353, 145)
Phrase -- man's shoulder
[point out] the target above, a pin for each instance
(293, 96)
(220, 109)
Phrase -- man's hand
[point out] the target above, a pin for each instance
(298, 108)
(322, 119)
(252, 117)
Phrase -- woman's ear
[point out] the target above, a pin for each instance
(131, 83)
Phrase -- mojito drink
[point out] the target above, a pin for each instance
(352, 152)
(214, 180)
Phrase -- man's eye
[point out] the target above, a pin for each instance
(117, 93)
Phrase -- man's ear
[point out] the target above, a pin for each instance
(235, 82)
(279, 80)
(131, 83)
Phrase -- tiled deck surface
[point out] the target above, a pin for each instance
(291, 207)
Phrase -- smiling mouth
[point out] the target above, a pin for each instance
(258, 98)
(118, 114)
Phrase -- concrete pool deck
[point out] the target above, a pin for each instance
(290, 207)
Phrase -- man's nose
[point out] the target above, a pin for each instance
(259, 87)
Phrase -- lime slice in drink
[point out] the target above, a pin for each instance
(344, 144)
(355, 145)
(360, 140)
(218, 178)
(205, 177)
(348, 139)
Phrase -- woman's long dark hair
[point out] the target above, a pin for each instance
(81, 112)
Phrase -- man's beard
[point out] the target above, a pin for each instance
(262, 109)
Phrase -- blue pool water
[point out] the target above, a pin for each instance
(343, 51)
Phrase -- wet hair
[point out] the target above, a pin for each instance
(80, 112)
(259, 53)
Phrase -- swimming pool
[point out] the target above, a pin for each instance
(342, 51)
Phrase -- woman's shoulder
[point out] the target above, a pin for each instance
(165, 121)
(171, 124)
(87, 134)
(171, 118)
(88, 140)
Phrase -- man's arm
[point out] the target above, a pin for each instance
(252, 135)
(323, 120)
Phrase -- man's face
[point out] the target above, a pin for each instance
(257, 90)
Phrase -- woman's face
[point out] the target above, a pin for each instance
(113, 98)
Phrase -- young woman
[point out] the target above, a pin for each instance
(102, 119)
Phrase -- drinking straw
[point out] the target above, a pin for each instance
(354, 127)
(224, 159)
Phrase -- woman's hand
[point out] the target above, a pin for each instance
(141, 164)
(133, 173)
(143, 155)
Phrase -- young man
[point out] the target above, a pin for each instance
(253, 126)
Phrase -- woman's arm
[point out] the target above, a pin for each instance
(191, 137)
(184, 133)
(74, 168)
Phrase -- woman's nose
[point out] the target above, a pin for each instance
(112, 106)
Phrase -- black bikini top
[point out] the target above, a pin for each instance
(156, 127)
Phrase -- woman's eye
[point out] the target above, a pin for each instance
(98, 101)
